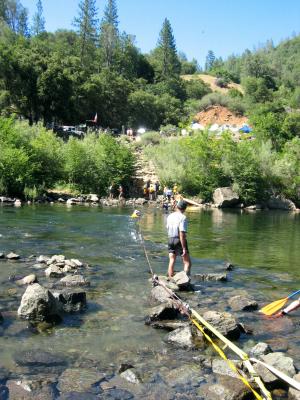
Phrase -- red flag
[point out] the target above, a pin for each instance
(95, 120)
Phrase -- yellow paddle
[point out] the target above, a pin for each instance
(271, 308)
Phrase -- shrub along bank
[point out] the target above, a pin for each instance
(33, 159)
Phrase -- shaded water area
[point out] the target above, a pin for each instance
(263, 246)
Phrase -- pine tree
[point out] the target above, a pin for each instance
(86, 24)
(15, 15)
(166, 52)
(109, 34)
(38, 21)
(210, 60)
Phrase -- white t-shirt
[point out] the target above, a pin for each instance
(176, 223)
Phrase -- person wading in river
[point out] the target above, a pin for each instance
(177, 243)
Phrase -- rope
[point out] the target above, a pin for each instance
(194, 316)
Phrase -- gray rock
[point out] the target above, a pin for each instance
(20, 390)
(42, 259)
(182, 280)
(225, 197)
(116, 394)
(140, 201)
(243, 303)
(260, 349)
(38, 304)
(293, 393)
(226, 389)
(77, 263)
(281, 203)
(67, 268)
(162, 312)
(221, 367)
(71, 300)
(79, 380)
(74, 280)
(224, 322)
(78, 396)
(27, 280)
(58, 258)
(38, 266)
(159, 294)
(70, 263)
(181, 337)
(279, 361)
(211, 277)
(169, 325)
(2, 255)
(53, 271)
(8, 200)
(93, 198)
(131, 376)
(12, 256)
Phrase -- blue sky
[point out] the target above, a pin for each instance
(224, 26)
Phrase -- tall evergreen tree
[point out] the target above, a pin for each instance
(15, 15)
(86, 24)
(109, 34)
(210, 60)
(166, 53)
(38, 21)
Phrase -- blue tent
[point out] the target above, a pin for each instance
(245, 129)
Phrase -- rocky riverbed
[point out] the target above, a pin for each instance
(186, 366)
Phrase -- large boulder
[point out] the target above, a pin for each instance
(225, 197)
(281, 203)
(221, 367)
(243, 303)
(38, 304)
(182, 280)
(280, 361)
(224, 322)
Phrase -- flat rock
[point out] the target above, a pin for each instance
(42, 259)
(188, 375)
(221, 367)
(182, 280)
(78, 396)
(243, 303)
(79, 380)
(211, 277)
(32, 358)
(181, 337)
(224, 322)
(74, 280)
(169, 325)
(117, 394)
(293, 393)
(159, 294)
(162, 312)
(12, 256)
(54, 271)
(226, 388)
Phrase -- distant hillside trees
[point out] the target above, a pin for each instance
(38, 21)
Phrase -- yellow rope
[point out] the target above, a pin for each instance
(229, 362)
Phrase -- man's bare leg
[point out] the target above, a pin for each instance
(187, 264)
(172, 259)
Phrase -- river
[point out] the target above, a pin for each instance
(263, 246)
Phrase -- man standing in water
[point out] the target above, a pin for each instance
(177, 243)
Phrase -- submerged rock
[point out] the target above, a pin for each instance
(221, 367)
(211, 277)
(169, 325)
(33, 358)
(243, 303)
(38, 304)
(226, 389)
(260, 349)
(278, 360)
(74, 280)
(79, 380)
(224, 322)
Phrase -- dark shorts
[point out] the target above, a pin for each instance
(175, 247)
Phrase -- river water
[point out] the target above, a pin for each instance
(263, 246)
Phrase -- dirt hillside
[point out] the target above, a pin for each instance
(210, 80)
(219, 115)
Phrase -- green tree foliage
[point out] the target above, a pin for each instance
(210, 60)
(164, 58)
(109, 35)
(38, 21)
(196, 89)
(86, 25)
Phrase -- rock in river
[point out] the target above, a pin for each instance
(53, 271)
(38, 304)
(79, 380)
(211, 277)
(12, 256)
(74, 280)
(27, 280)
(293, 393)
(181, 337)
(224, 322)
(260, 349)
(31, 358)
(161, 312)
(278, 360)
(243, 303)
(71, 300)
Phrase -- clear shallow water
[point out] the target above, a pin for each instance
(264, 246)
